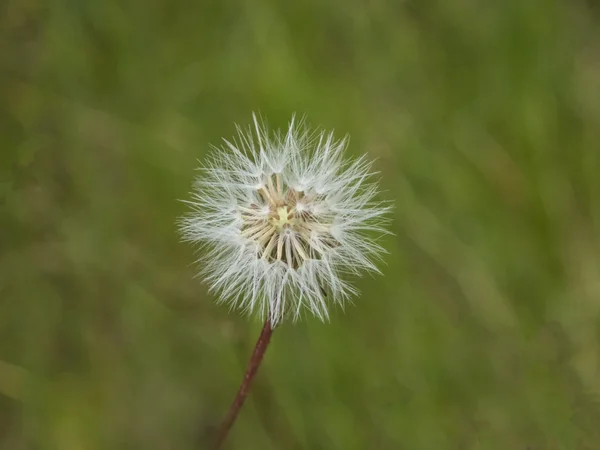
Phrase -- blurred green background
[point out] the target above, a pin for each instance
(484, 117)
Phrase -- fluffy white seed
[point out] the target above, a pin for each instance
(282, 220)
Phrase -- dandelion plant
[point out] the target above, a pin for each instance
(282, 220)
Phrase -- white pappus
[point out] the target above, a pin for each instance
(283, 219)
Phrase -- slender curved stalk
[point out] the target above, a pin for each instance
(253, 365)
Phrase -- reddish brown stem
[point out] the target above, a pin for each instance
(255, 360)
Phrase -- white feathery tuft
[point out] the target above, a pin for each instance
(283, 220)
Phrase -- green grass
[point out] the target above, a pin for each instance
(484, 118)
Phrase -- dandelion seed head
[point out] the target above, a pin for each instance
(282, 219)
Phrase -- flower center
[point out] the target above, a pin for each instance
(283, 217)
(282, 226)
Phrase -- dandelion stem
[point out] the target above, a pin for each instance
(254, 363)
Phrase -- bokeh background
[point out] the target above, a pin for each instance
(484, 118)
